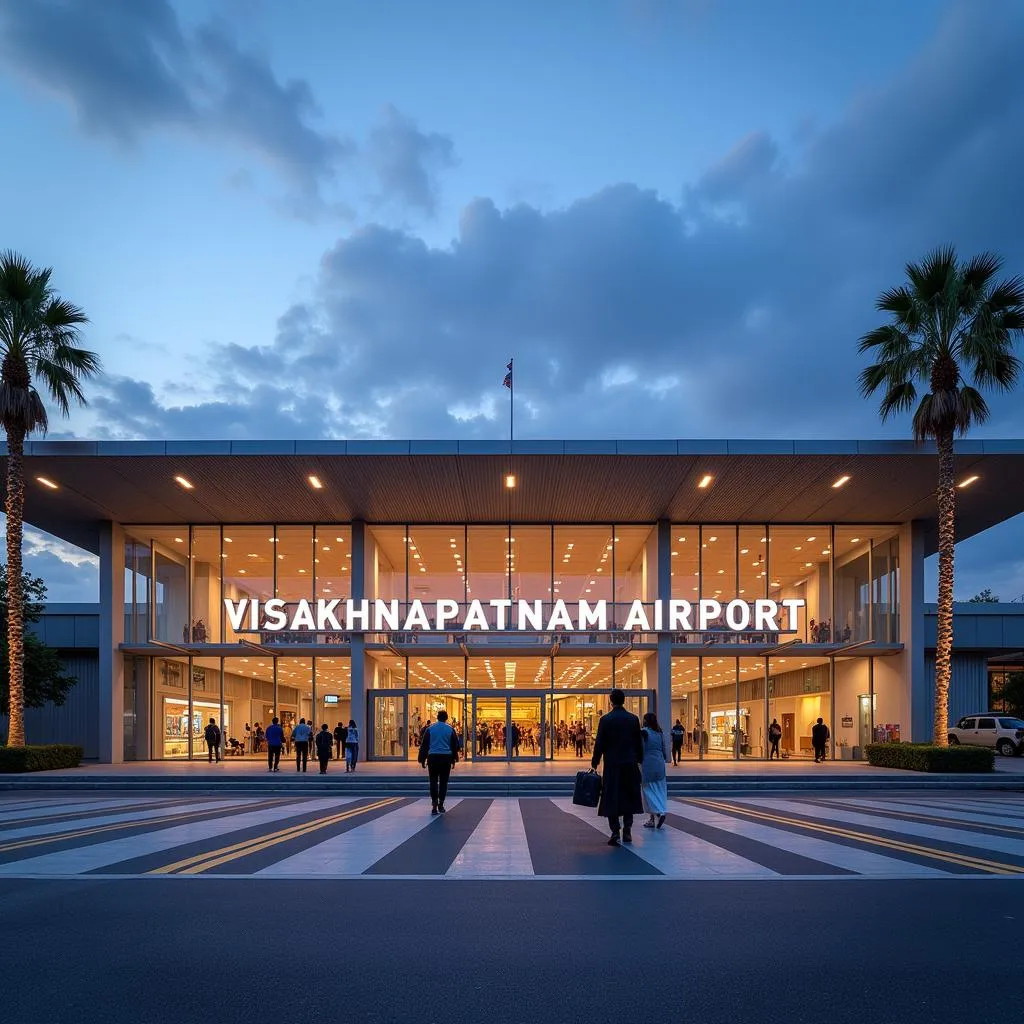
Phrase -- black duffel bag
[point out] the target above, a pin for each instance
(587, 791)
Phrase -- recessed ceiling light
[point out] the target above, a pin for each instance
(47, 483)
(705, 481)
(856, 540)
(187, 484)
(510, 481)
(967, 483)
(314, 482)
(842, 480)
(179, 540)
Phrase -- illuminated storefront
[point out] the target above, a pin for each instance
(722, 585)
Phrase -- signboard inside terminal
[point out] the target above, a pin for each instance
(762, 615)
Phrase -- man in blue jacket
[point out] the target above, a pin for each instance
(301, 736)
(275, 740)
(439, 750)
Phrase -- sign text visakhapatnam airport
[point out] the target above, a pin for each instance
(761, 615)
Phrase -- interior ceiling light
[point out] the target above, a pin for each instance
(967, 483)
(49, 483)
(839, 483)
(187, 484)
(705, 481)
(510, 481)
(314, 482)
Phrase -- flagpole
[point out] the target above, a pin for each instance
(511, 404)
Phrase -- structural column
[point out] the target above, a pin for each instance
(358, 668)
(664, 593)
(911, 630)
(111, 660)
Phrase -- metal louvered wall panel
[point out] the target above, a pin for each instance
(968, 689)
(77, 720)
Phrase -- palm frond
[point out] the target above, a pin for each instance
(930, 278)
(971, 409)
(22, 408)
(899, 398)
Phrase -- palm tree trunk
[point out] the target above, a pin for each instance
(947, 542)
(14, 506)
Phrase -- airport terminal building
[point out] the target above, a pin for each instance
(724, 584)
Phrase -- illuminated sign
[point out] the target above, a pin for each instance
(331, 698)
(761, 616)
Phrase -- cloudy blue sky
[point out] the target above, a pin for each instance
(337, 218)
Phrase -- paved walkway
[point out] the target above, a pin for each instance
(562, 768)
(926, 836)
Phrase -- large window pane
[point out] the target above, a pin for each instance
(853, 583)
(334, 691)
(530, 563)
(170, 551)
(206, 577)
(718, 573)
(583, 563)
(333, 561)
(720, 703)
(248, 569)
(798, 564)
(487, 564)
(293, 551)
(636, 566)
(386, 557)
(885, 587)
(436, 564)
(799, 692)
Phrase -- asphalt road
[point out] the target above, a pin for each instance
(179, 950)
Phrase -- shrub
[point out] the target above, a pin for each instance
(924, 757)
(39, 759)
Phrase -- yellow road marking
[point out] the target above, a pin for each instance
(963, 826)
(963, 860)
(56, 837)
(200, 862)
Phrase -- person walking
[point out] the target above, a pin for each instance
(340, 733)
(324, 747)
(620, 744)
(275, 740)
(212, 736)
(819, 738)
(352, 746)
(288, 728)
(678, 736)
(301, 736)
(774, 735)
(654, 783)
(580, 739)
(439, 750)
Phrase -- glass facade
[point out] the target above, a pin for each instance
(512, 694)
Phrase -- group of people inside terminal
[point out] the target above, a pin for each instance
(276, 739)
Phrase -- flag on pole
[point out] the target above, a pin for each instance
(507, 382)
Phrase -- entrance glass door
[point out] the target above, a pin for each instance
(508, 728)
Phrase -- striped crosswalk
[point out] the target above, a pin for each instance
(751, 838)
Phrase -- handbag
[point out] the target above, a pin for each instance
(587, 791)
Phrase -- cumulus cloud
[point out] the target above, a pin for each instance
(633, 313)
(129, 67)
(406, 161)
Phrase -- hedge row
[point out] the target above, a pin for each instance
(923, 757)
(39, 759)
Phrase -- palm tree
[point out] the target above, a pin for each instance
(38, 335)
(949, 319)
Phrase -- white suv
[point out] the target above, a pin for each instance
(990, 730)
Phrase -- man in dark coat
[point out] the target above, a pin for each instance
(621, 744)
(819, 738)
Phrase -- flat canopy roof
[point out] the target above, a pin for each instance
(556, 481)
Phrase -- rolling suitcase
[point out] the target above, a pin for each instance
(587, 791)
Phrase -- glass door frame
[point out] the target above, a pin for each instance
(506, 754)
(371, 732)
